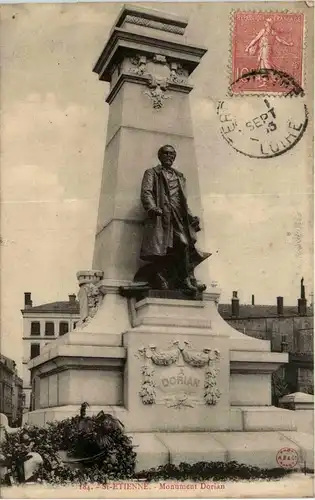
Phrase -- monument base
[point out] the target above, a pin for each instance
(185, 384)
(257, 447)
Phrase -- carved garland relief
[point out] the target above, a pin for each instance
(190, 377)
(158, 84)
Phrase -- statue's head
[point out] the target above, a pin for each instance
(167, 155)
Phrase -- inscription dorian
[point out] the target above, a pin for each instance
(180, 380)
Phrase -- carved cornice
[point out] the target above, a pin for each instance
(122, 41)
(138, 11)
(63, 356)
(157, 25)
(256, 362)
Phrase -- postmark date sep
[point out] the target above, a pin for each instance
(264, 119)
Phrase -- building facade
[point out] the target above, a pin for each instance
(11, 391)
(288, 328)
(42, 324)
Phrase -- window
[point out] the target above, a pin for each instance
(49, 328)
(35, 328)
(35, 350)
(63, 327)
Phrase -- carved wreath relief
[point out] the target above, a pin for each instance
(190, 379)
(159, 78)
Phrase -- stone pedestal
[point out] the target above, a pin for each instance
(185, 389)
(186, 385)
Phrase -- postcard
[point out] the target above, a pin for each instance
(157, 250)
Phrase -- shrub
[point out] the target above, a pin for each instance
(215, 471)
(97, 446)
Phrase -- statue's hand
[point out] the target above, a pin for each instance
(155, 211)
(195, 222)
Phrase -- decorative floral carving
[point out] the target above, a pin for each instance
(170, 72)
(177, 354)
(140, 63)
(159, 59)
(90, 295)
(177, 73)
(156, 92)
(147, 392)
(158, 85)
(179, 402)
(165, 358)
(162, 358)
(212, 393)
(195, 358)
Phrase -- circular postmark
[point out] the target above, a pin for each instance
(287, 458)
(263, 128)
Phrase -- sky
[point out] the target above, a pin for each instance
(258, 214)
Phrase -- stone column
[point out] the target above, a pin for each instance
(147, 62)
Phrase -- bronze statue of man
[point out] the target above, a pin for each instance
(170, 229)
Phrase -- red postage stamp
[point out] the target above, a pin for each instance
(287, 458)
(270, 43)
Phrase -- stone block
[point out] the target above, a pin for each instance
(297, 401)
(192, 447)
(151, 452)
(268, 419)
(305, 421)
(254, 448)
(250, 389)
(36, 417)
(177, 386)
(305, 443)
(45, 415)
(96, 386)
(53, 386)
(93, 338)
(77, 354)
(236, 419)
(63, 388)
(70, 380)
(166, 312)
(43, 399)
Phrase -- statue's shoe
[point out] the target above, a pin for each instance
(187, 285)
(201, 286)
